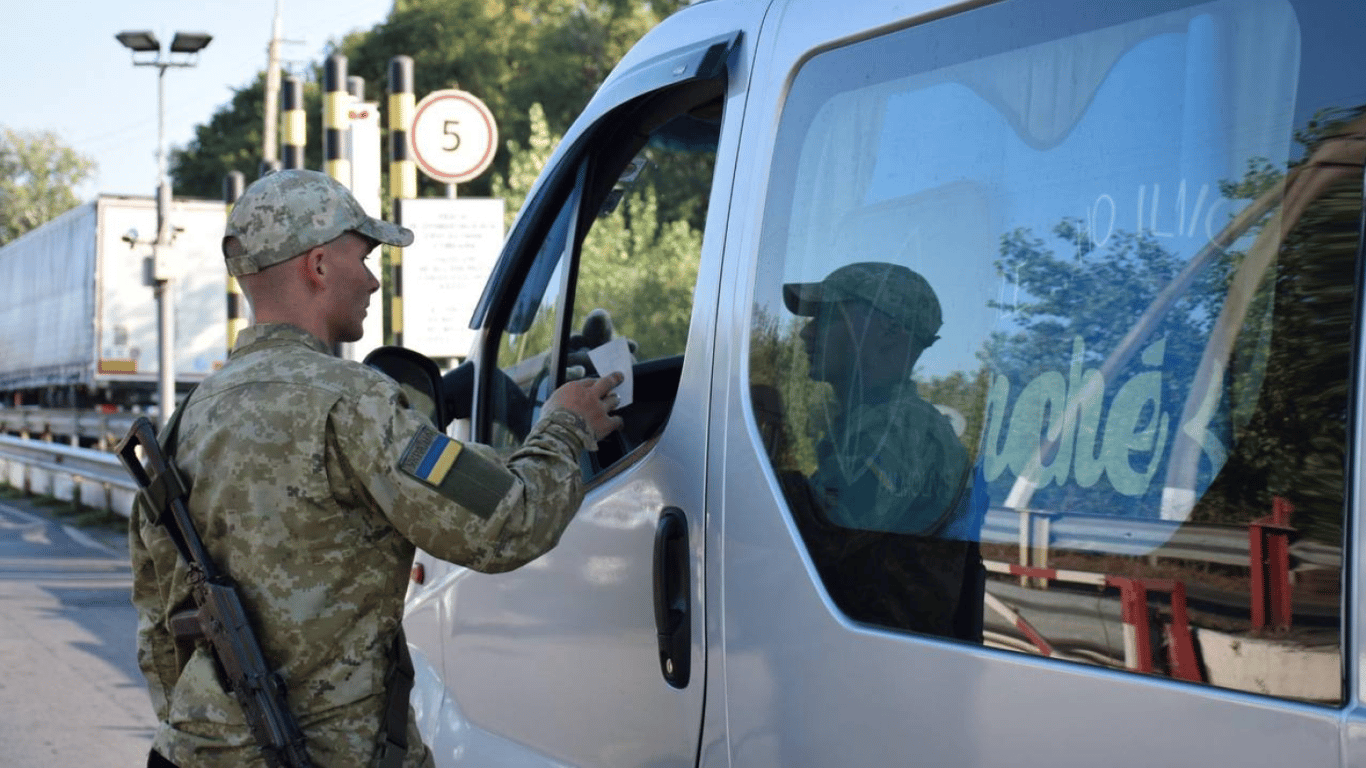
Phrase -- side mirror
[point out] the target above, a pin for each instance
(417, 375)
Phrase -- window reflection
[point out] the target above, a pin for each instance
(1137, 409)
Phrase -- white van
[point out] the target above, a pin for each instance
(995, 371)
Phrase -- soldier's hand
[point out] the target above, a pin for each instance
(591, 399)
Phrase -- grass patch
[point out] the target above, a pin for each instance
(98, 518)
(56, 505)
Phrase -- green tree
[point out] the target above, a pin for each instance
(231, 141)
(510, 53)
(38, 177)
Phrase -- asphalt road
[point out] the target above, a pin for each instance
(70, 693)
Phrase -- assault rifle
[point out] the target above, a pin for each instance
(220, 616)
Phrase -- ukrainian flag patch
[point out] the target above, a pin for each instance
(430, 456)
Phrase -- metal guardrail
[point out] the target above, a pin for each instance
(67, 424)
(1203, 542)
(92, 478)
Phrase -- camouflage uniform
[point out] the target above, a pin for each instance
(893, 465)
(311, 482)
(296, 460)
(890, 461)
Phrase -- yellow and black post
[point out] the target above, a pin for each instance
(233, 184)
(335, 122)
(402, 173)
(296, 125)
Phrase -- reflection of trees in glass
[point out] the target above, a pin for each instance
(1097, 295)
(787, 402)
(965, 392)
(1294, 444)
(1282, 396)
(1081, 298)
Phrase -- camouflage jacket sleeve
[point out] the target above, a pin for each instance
(458, 501)
(155, 592)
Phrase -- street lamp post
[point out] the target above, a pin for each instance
(183, 52)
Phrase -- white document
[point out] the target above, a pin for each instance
(615, 355)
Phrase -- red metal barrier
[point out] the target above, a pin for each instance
(1269, 561)
(1133, 595)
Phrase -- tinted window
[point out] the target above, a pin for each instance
(1051, 345)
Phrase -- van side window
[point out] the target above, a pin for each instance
(619, 264)
(1052, 343)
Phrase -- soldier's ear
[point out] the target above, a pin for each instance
(313, 267)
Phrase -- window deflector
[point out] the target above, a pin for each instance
(556, 249)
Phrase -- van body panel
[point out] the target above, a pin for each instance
(804, 685)
(559, 663)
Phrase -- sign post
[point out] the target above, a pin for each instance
(452, 139)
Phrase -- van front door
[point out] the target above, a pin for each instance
(593, 654)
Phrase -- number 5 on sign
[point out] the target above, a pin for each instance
(453, 136)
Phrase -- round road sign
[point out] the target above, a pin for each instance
(453, 136)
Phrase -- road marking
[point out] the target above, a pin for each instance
(80, 537)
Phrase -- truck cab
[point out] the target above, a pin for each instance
(995, 367)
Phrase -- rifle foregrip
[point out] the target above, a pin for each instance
(260, 692)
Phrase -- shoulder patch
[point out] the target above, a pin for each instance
(430, 456)
(466, 477)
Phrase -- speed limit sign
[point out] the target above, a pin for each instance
(453, 136)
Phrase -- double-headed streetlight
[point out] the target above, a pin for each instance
(183, 52)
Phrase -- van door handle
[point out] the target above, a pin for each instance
(673, 612)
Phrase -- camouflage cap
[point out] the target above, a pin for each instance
(896, 291)
(288, 212)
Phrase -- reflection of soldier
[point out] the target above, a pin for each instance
(891, 461)
(891, 474)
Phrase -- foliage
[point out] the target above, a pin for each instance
(642, 271)
(510, 53)
(524, 164)
(787, 402)
(1295, 443)
(231, 141)
(38, 176)
(637, 263)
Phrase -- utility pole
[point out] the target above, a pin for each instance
(269, 143)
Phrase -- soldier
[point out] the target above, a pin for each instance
(891, 476)
(311, 483)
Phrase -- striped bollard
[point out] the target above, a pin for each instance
(296, 124)
(402, 173)
(335, 99)
(233, 184)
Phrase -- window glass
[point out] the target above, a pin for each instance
(634, 270)
(1051, 341)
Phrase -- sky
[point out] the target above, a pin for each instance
(64, 72)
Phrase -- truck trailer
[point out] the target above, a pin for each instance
(78, 323)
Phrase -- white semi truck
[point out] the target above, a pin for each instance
(78, 319)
